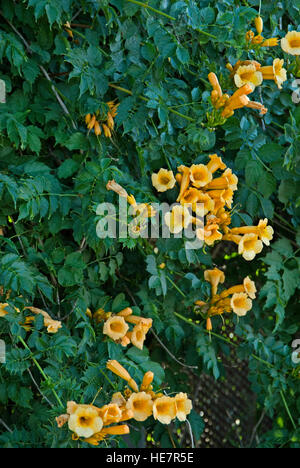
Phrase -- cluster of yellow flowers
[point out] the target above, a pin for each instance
(226, 104)
(116, 326)
(98, 122)
(90, 423)
(52, 325)
(289, 44)
(140, 211)
(236, 299)
(197, 186)
(259, 39)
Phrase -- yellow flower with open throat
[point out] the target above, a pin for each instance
(164, 180)
(164, 409)
(249, 246)
(275, 72)
(200, 175)
(183, 406)
(240, 304)
(265, 232)
(291, 43)
(84, 420)
(248, 74)
(177, 219)
(115, 327)
(141, 405)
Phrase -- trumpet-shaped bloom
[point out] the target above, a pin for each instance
(291, 43)
(250, 287)
(275, 72)
(248, 74)
(214, 277)
(249, 246)
(200, 175)
(141, 405)
(207, 201)
(215, 163)
(110, 414)
(183, 406)
(52, 325)
(190, 196)
(164, 409)
(240, 304)
(115, 367)
(210, 234)
(265, 232)
(164, 180)
(138, 336)
(85, 421)
(177, 219)
(115, 327)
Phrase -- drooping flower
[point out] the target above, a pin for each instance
(177, 219)
(115, 327)
(164, 180)
(249, 246)
(248, 74)
(275, 72)
(184, 180)
(183, 406)
(52, 325)
(207, 201)
(190, 196)
(141, 405)
(164, 409)
(291, 43)
(250, 287)
(214, 277)
(210, 234)
(200, 175)
(241, 304)
(259, 24)
(84, 420)
(115, 367)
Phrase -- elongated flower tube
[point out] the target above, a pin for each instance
(214, 277)
(52, 325)
(259, 24)
(185, 180)
(147, 381)
(115, 367)
(215, 83)
(112, 185)
(125, 312)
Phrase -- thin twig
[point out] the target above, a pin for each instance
(38, 388)
(191, 433)
(6, 426)
(45, 73)
(257, 426)
(169, 352)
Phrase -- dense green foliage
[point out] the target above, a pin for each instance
(53, 174)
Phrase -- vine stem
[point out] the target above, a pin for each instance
(172, 18)
(127, 91)
(287, 409)
(46, 378)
